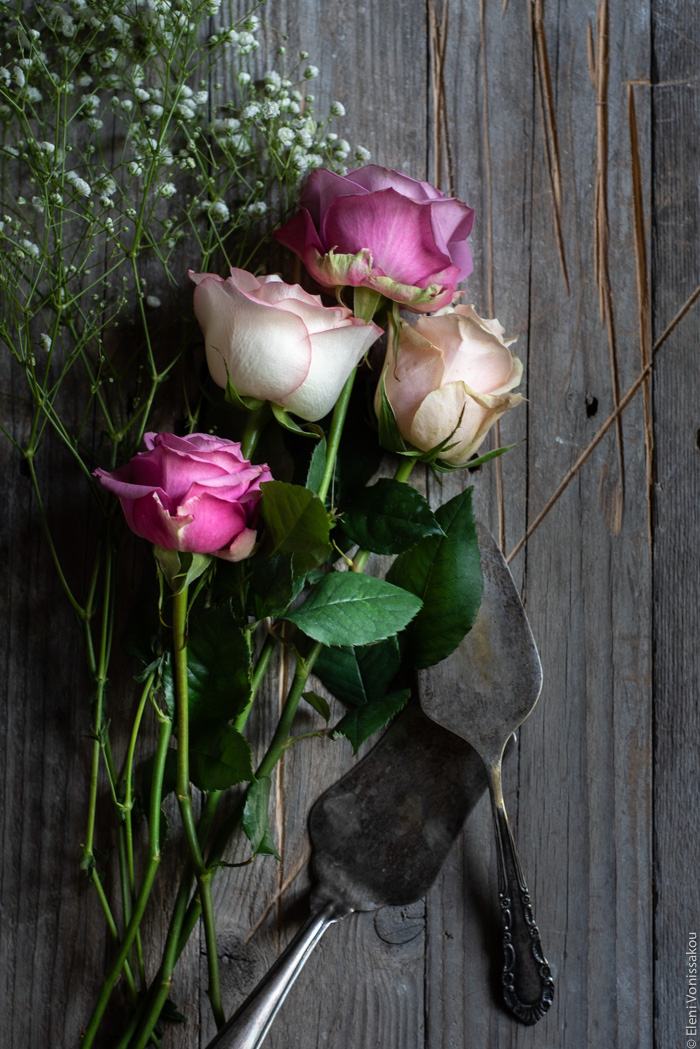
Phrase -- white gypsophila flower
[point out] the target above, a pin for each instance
(315, 160)
(106, 185)
(286, 136)
(362, 155)
(31, 248)
(106, 201)
(108, 57)
(45, 342)
(84, 80)
(218, 211)
(239, 144)
(67, 25)
(153, 301)
(142, 95)
(270, 109)
(258, 207)
(90, 103)
(81, 187)
(212, 7)
(305, 137)
(134, 168)
(126, 104)
(311, 72)
(38, 204)
(187, 111)
(32, 94)
(226, 124)
(5, 75)
(243, 77)
(94, 123)
(154, 110)
(19, 77)
(342, 146)
(167, 190)
(273, 81)
(200, 98)
(251, 111)
(337, 109)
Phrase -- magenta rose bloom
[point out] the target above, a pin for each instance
(379, 229)
(196, 494)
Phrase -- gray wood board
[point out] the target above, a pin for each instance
(602, 789)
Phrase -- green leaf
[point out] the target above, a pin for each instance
(389, 517)
(267, 846)
(357, 676)
(219, 667)
(348, 608)
(255, 821)
(274, 584)
(358, 725)
(297, 523)
(319, 704)
(445, 572)
(317, 466)
(219, 758)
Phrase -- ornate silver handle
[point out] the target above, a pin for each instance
(249, 1025)
(528, 987)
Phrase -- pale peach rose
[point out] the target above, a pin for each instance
(452, 379)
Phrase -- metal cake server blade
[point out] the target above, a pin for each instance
(380, 836)
(499, 684)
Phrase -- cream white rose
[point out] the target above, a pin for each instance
(278, 343)
(452, 379)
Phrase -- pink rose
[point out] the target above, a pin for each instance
(277, 342)
(380, 229)
(195, 494)
(451, 380)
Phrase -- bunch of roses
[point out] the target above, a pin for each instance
(444, 382)
(397, 243)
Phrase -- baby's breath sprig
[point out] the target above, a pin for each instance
(136, 139)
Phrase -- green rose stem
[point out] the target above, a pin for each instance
(184, 798)
(185, 917)
(255, 424)
(147, 884)
(180, 931)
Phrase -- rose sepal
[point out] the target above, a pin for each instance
(238, 400)
(287, 422)
(179, 568)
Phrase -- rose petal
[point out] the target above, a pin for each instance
(372, 177)
(397, 230)
(241, 547)
(334, 355)
(243, 338)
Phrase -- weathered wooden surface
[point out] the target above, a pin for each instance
(514, 112)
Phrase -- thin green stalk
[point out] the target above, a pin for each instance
(184, 796)
(183, 920)
(258, 675)
(255, 424)
(336, 431)
(145, 891)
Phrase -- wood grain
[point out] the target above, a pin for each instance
(602, 788)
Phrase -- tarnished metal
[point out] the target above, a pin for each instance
(380, 836)
(499, 682)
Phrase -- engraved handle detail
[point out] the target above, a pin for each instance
(528, 986)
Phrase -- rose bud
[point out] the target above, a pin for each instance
(278, 343)
(379, 229)
(451, 380)
(195, 494)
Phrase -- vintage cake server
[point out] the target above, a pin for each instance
(380, 836)
(499, 683)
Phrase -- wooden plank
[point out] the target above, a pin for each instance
(676, 102)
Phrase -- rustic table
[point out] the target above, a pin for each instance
(572, 128)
